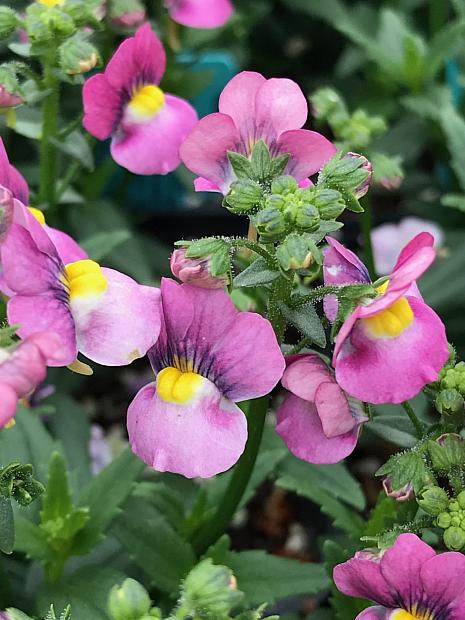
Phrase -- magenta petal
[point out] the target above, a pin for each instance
(102, 107)
(300, 427)
(401, 567)
(281, 105)
(391, 370)
(238, 98)
(68, 250)
(442, 579)
(361, 577)
(153, 147)
(342, 266)
(333, 410)
(309, 151)
(413, 261)
(45, 313)
(203, 185)
(6, 212)
(8, 402)
(197, 439)
(205, 150)
(138, 59)
(11, 178)
(201, 13)
(119, 326)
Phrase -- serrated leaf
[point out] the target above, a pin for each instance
(220, 262)
(241, 165)
(264, 577)
(256, 274)
(101, 244)
(307, 321)
(7, 526)
(200, 248)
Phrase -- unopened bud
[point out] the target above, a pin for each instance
(244, 196)
(443, 520)
(433, 500)
(325, 103)
(404, 494)
(130, 601)
(295, 252)
(454, 538)
(329, 203)
(195, 271)
(9, 88)
(461, 499)
(449, 401)
(306, 218)
(8, 21)
(270, 224)
(77, 55)
(366, 165)
(284, 185)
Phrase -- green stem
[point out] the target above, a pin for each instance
(255, 247)
(366, 222)
(414, 419)
(48, 151)
(300, 345)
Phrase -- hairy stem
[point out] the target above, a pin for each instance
(48, 151)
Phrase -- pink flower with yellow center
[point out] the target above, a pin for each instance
(146, 125)
(200, 13)
(209, 357)
(410, 581)
(22, 368)
(252, 108)
(390, 347)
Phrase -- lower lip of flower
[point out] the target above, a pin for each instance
(85, 278)
(146, 101)
(175, 386)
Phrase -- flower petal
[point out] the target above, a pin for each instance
(205, 150)
(280, 105)
(120, 325)
(202, 13)
(11, 178)
(391, 370)
(8, 402)
(413, 261)
(300, 427)
(68, 250)
(304, 374)
(203, 185)
(153, 147)
(103, 106)
(442, 579)
(374, 613)
(200, 438)
(238, 98)
(309, 152)
(333, 409)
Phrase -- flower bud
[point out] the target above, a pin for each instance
(209, 588)
(127, 13)
(8, 21)
(284, 185)
(270, 224)
(245, 196)
(325, 103)
(443, 520)
(307, 218)
(295, 253)
(195, 271)
(9, 88)
(366, 165)
(449, 401)
(454, 538)
(329, 203)
(130, 601)
(404, 494)
(433, 500)
(461, 500)
(77, 55)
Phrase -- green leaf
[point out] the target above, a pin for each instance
(30, 539)
(256, 274)
(453, 127)
(104, 495)
(166, 500)
(261, 160)
(443, 46)
(241, 165)
(454, 201)
(76, 146)
(56, 501)
(101, 244)
(7, 526)
(264, 577)
(220, 262)
(278, 165)
(307, 321)
(161, 552)
(397, 429)
(202, 248)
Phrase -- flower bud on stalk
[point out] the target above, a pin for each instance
(9, 87)
(130, 601)
(366, 165)
(245, 196)
(77, 55)
(297, 252)
(195, 271)
(404, 494)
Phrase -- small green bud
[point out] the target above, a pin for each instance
(245, 196)
(449, 401)
(433, 500)
(454, 506)
(60, 23)
(454, 538)
(461, 500)
(326, 103)
(130, 601)
(307, 218)
(294, 253)
(77, 55)
(455, 519)
(329, 203)
(270, 224)
(8, 21)
(443, 520)
(284, 185)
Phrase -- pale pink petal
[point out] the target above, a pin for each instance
(333, 409)
(300, 427)
(201, 13)
(280, 105)
(309, 152)
(200, 438)
(103, 106)
(18, 185)
(304, 374)
(238, 98)
(120, 325)
(390, 370)
(68, 250)
(153, 147)
(203, 185)
(342, 266)
(205, 150)
(6, 211)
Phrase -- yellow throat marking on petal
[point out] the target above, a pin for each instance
(147, 101)
(38, 214)
(391, 322)
(175, 386)
(85, 278)
(401, 614)
(51, 3)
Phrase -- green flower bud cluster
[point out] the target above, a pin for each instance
(452, 521)
(77, 55)
(450, 386)
(454, 378)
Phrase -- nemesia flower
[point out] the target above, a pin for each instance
(208, 357)
(200, 13)
(146, 125)
(23, 367)
(393, 345)
(317, 420)
(252, 108)
(195, 271)
(410, 581)
(100, 312)
(389, 239)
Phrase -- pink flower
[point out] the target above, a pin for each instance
(252, 108)
(23, 367)
(389, 239)
(146, 125)
(100, 312)
(317, 420)
(195, 271)
(393, 345)
(200, 13)
(208, 357)
(409, 581)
